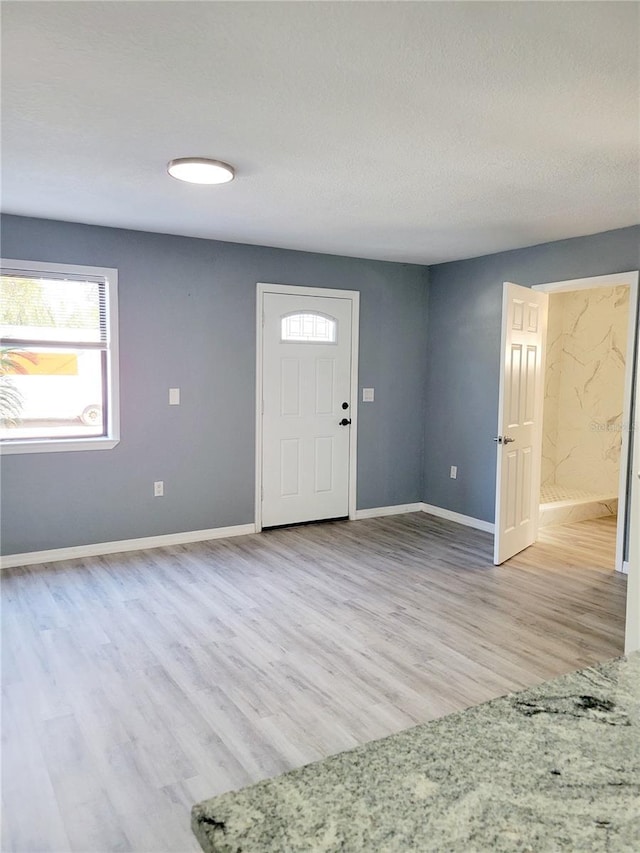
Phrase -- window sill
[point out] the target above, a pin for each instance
(59, 445)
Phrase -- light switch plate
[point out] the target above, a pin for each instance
(367, 395)
(174, 396)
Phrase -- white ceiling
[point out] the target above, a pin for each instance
(406, 131)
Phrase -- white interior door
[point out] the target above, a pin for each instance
(307, 407)
(519, 439)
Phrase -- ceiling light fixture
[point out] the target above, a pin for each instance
(201, 170)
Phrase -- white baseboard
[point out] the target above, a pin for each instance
(55, 555)
(378, 511)
(467, 520)
(625, 568)
(398, 509)
(31, 558)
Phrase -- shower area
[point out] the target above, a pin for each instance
(583, 401)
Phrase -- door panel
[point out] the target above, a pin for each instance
(290, 387)
(289, 467)
(512, 491)
(528, 416)
(519, 440)
(325, 392)
(324, 464)
(306, 377)
(526, 497)
(514, 390)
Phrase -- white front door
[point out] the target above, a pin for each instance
(519, 439)
(307, 407)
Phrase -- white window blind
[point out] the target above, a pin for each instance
(45, 309)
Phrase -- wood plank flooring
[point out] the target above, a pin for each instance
(136, 684)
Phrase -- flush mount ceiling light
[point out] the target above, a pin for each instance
(201, 170)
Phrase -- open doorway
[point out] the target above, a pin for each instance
(587, 404)
(520, 428)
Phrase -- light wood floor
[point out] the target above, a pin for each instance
(137, 684)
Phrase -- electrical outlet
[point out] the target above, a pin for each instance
(158, 489)
(174, 396)
(368, 395)
(453, 473)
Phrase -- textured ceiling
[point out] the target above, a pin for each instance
(407, 131)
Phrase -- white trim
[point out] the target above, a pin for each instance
(625, 567)
(112, 438)
(355, 397)
(590, 283)
(295, 290)
(59, 445)
(501, 393)
(304, 290)
(258, 430)
(379, 511)
(632, 624)
(630, 280)
(467, 520)
(438, 511)
(162, 541)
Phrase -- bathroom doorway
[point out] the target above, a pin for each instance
(587, 403)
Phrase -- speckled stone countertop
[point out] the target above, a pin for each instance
(555, 767)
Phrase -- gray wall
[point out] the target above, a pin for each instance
(187, 310)
(187, 319)
(463, 344)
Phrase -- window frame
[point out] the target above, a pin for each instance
(112, 384)
(313, 341)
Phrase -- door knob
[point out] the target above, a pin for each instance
(507, 440)
(345, 422)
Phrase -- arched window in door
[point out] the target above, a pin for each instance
(308, 327)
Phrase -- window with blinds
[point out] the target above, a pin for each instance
(58, 365)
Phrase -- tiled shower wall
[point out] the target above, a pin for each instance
(584, 388)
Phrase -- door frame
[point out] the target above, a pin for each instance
(296, 290)
(632, 626)
(629, 279)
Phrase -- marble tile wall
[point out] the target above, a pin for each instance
(584, 386)
(552, 388)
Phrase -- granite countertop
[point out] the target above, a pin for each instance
(555, 767)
